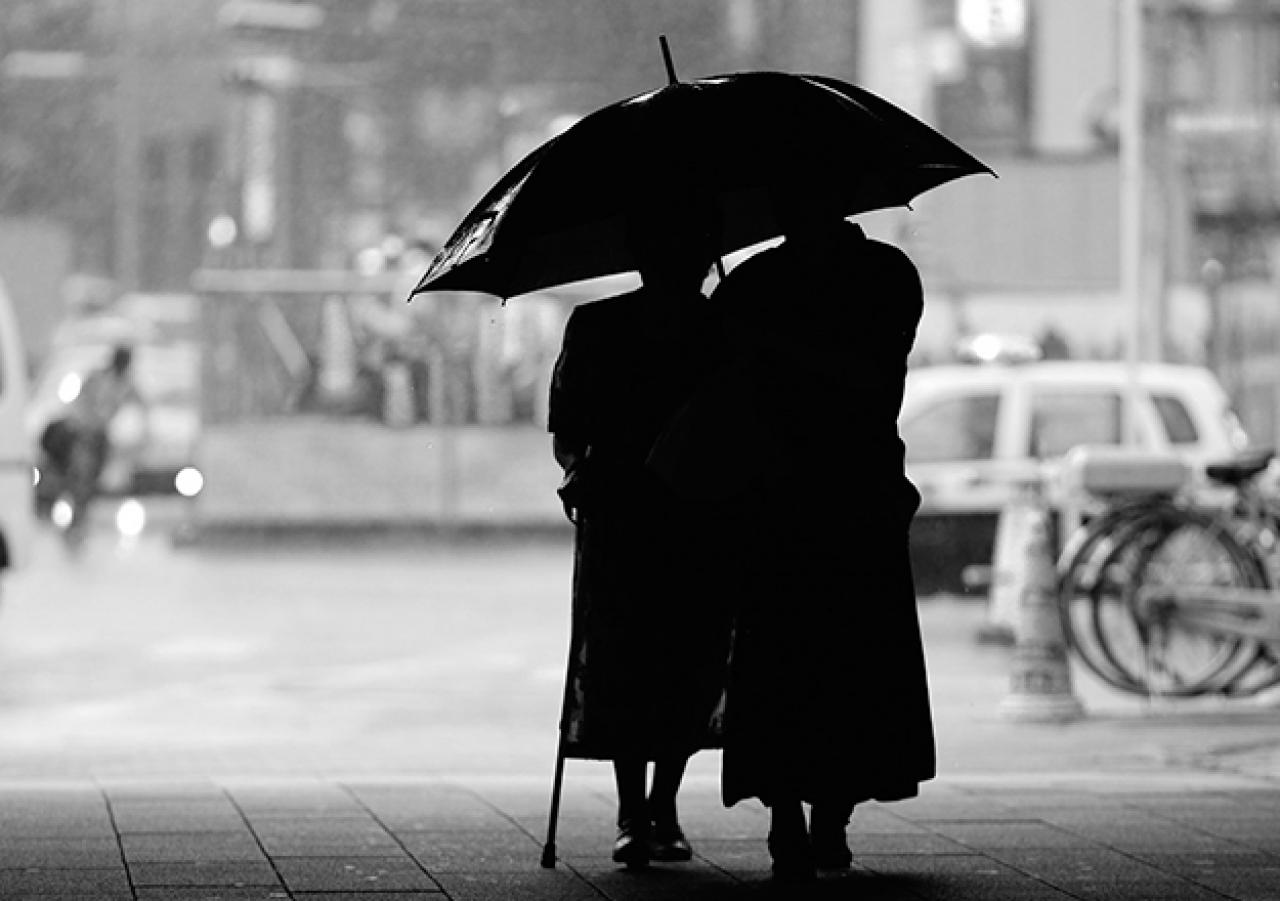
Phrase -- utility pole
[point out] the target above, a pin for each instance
(128, 141)
(1132, 257)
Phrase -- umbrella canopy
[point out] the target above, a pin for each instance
(559, 215)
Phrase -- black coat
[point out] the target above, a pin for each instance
(650, 636)
(827, 696)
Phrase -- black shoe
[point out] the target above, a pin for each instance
(668, 844)
(827, 838)
(831, 850)
(792, 856)
(632, 845)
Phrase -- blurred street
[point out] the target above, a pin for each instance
(336, 718)
(421, 656)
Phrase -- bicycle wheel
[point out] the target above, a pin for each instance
(1089, 584)
(1176, 546)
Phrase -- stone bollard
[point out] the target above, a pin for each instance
(1040, 683)
(1007, 573)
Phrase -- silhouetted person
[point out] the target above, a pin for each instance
(650, 640)
(827, 700)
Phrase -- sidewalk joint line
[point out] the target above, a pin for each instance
(115, 831)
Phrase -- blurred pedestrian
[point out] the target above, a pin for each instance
(77, 445)
(650, 643)
(827, 701)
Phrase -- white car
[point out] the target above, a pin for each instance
(15, 452)
(973, 433)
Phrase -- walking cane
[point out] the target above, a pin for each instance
(549, 848)
(557, 783)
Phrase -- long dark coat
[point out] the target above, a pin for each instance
(827, 694)
(649, 648)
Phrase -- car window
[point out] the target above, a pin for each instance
(956, 428)
(1176, 419)
(1062, 420)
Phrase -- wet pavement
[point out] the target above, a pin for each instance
(378, 721)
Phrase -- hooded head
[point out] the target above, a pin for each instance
(673, 235)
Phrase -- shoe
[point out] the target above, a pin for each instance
(831, 850)
(631, 847)
(668, 844)
(827, 839)
(792, 856)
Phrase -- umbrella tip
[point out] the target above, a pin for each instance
(666, 59)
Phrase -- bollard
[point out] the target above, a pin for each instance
(1040, 682)
(1007, 573)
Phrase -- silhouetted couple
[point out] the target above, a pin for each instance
(741, 575)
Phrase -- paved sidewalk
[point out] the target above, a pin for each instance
(1164, 840)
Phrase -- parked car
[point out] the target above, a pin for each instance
(973, 433)
(154, 446)
(15, 453)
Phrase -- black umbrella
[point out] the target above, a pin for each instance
(557, 216)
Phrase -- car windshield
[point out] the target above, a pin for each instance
(1060, 420)
(955, 428)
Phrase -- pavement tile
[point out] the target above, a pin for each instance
(316, 838)
(370, 896)
(367, 874)
(902, 843)
(170, 792)
(1184, 863)
(62, 797)
(881, 821)
(1254, 883)
(973, 878)
(211, 893)
(1171, 838)
(317, 848)
(55, 824)
(204, 873)
(185, 846)
(1160, 890)
(545, 885)
(164, 816)
(472, 852)
(740, 821)
(734, 854)
(975, 889)
(1009, 834)
(1055, 864)
(316, 799)
(59, 853)
(951, 808)
(659, 883)
(108, 883)
(419, 820)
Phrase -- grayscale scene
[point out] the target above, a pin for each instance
(622, 449)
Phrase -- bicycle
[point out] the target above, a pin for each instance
(1162, 594)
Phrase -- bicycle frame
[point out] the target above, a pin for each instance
(1252, 613)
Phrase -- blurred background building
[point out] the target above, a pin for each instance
(144, 140)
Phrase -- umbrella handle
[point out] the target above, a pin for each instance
(666, 59)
